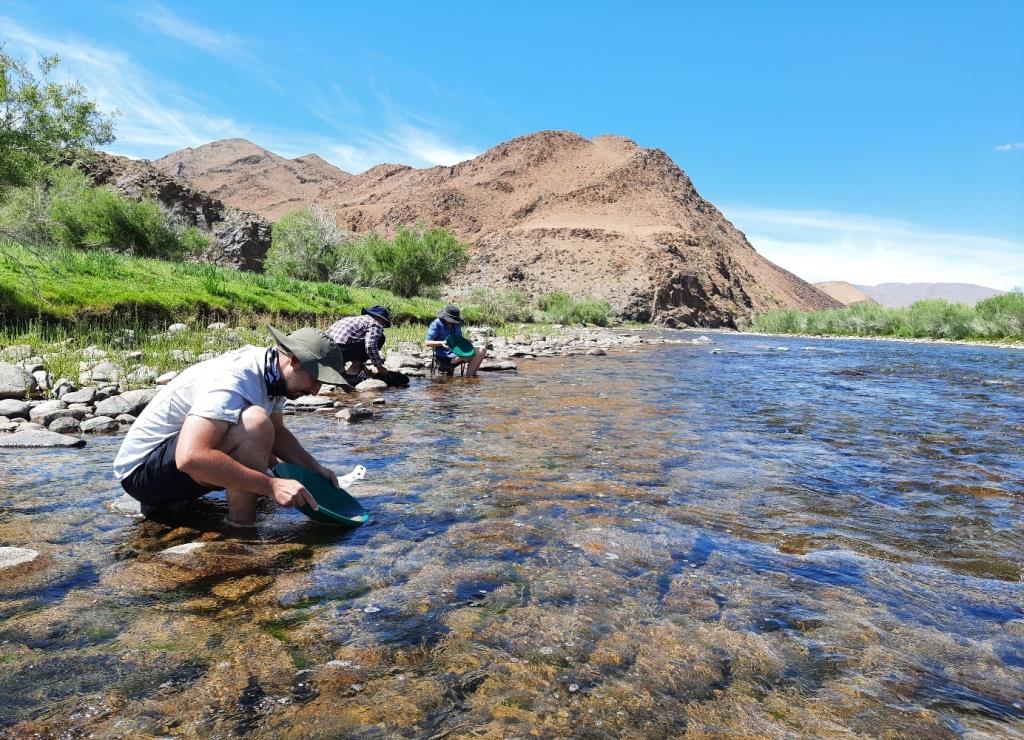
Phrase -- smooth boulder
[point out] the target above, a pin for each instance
(130, 402)
(38, 438)
(15, 382)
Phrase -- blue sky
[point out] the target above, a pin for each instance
(865, 141)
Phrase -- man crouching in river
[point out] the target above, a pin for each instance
(216, 425)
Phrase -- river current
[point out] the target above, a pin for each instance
(762, 536)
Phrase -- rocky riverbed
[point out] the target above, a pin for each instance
(668, 540)
(40, 410)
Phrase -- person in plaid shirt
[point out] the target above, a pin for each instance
(360, 338)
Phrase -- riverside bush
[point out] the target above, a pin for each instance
(65, 210)
(999, 317)
(417, 259)
(490, 306)
(308, 244)
(561, 308)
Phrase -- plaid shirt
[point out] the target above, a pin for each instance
(354, 328)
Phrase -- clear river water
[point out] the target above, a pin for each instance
(781, 538)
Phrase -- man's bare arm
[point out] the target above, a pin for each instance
(198, 456)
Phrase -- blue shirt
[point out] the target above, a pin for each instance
(438, 331)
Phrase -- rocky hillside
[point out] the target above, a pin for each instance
(238, 171)
(239, 238)
(845, 293)
(544, 212)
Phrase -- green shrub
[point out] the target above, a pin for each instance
(490, 306)
(308, 244)
(417, 259)
(561, 308)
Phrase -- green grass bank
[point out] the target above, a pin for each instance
(996, 319)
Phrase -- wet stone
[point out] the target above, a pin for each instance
(597, 352)
(14, 409)
(64, 425)
(125, 504)
(371, 384)
(166, 378)
(354, 413)
(309, 403)
(39, 438)
(85, 395)
(130, 402)
(126, 419)
(100, 425)
(13, 557)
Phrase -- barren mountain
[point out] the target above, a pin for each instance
(897, 295)
(845, 293)
(543, 212)
(236, 170)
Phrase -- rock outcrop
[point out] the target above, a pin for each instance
(550, 211)
(240, 238)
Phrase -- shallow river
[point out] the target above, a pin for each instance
(823, 541)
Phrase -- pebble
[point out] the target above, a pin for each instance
(11, 557)
(372, 609)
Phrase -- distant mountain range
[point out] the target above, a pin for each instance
(898, 295)
(550, 211)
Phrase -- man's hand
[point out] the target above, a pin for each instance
(329, 475)
(288, 492)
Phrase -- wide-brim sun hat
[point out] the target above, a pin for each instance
(380, 313)
(451, 313)
(316, 351)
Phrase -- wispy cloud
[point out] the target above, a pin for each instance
(157, 116)
(1010, 147)
(213, 42)
(824, 245)
(147, 125)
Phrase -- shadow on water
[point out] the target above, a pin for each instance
(810, 542)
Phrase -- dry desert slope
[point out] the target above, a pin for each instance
(543, 212)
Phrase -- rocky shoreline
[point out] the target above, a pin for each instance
(40, 411)
(911, 340)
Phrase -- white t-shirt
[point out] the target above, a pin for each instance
(218, 389)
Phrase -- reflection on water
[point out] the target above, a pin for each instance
(819, 541)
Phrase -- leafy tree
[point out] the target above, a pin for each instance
(417, 259)
(41, 121)
(308, 245)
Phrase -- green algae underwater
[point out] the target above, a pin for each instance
(780, 538)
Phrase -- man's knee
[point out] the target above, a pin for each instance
(254, 430)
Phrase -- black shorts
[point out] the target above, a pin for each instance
(356, 351)
(158, 482)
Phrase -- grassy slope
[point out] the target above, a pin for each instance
(68, 287)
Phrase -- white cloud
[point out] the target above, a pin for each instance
(1010, 147)
(201, 37)
(824, 245)
(157, 117)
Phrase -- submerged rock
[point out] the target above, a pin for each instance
(35, 438)
(12, 557)
(371, 384)
(354, 413)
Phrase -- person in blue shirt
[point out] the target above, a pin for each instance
(448, 323)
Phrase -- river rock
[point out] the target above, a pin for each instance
(309, 403)
(175, 328)
(103, 372)
(40, 410)
(126, 419)
(13, 557)
(9, 425)
(597, 351)
(64, 424)
(182, 355)
(100, 425)
(493, 365)
(106, 391)
(94, 353)
(33, 365)
(14, 409)
(16, 352)
(47, 418)
(62, 386)
(217, 325)
(86, 395)
(33, 438)
(371, 384)
(14, 381)
(206, 356)
(143, 374)
(397, 360)
(126, 505)
(166, 378)
(354, 413)
(30, 426)
(129, 402)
